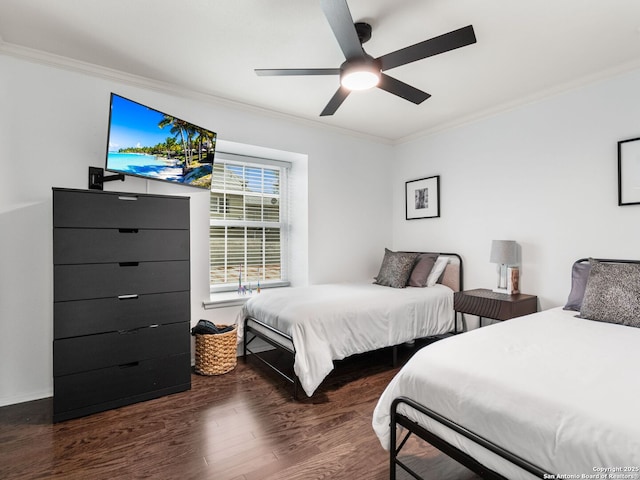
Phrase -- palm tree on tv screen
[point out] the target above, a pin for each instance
(184, 130)
(170, 146)
(205, 140)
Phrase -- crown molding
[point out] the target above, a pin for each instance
(66, 63)
(539, 96)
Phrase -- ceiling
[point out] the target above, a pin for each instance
(525, 50)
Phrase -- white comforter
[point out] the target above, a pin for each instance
(559, 391)
(331, 322)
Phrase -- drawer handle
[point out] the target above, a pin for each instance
(128, 198)
(128, 297)
(128, 230)
(129, 365)
(128, 332)
(128, 264)
(136, 330)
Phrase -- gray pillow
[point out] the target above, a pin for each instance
(579, 277)
(395, 269)
(613, 293)
(421, 269)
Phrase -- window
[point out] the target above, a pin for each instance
(248, 230)
(219, 204)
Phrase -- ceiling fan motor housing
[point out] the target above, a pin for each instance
(364, 31)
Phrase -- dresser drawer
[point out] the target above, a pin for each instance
(79, 354)
(87, 245)
(80, 282)
(101, 315)
(97, 209)
(122, 383)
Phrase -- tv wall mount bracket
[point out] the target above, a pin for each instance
(97, 178)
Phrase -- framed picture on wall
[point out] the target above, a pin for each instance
(422, 198)
(629, 172)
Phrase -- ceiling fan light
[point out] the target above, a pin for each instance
(360, 74)
(360, 79)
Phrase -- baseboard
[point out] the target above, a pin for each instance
(30, 397)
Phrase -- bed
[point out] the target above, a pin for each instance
(547, 395)
(318, 324)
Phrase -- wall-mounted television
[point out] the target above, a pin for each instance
(147, 143)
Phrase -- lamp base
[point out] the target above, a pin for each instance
(502, 290)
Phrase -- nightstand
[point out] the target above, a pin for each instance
(483, 302)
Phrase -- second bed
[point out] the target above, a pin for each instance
(322, 323)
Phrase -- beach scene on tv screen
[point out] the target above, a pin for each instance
(152, 144)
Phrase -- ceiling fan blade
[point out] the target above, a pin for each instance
(443, 43)
(341, 22)
(401, 89)
(335, 101)
(265, 72)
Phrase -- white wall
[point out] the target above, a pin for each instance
(53, 125)
(544, 175)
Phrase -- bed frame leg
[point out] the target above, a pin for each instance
(463, 323)
(392, 445)
(244, 342)
(296, 384)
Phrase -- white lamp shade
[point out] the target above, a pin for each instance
(504, 252)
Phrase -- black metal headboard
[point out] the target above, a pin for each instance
(606, 260)
(459, 274)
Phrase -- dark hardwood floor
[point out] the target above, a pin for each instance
(243, 425)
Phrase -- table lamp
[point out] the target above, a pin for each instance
(504, 253)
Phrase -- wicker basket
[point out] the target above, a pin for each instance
(216, 353)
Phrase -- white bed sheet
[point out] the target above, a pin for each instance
(330, 322)
(559, 391)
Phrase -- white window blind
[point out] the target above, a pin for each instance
(248, 229)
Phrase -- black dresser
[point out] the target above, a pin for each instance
(121, 296)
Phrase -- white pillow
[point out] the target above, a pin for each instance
(436, 271)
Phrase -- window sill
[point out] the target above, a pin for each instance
(228, 299)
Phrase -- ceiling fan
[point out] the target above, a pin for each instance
(360, 71)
